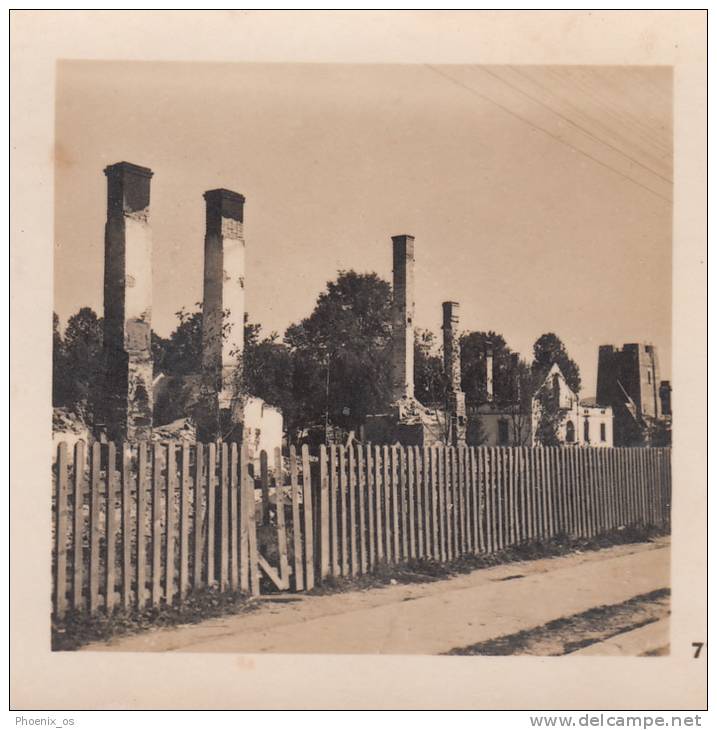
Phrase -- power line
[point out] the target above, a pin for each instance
(577, 79)
(659, 154)
(545, 131)
(576, 125)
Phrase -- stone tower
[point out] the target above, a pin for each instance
(223, 315)
(127, 394)
(455, 397)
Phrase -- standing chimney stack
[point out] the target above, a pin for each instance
(127, 397)
(223, 310)
(456, 399)
(489, 371)
(403, 307)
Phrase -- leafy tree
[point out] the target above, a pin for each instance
(549, 417)
(429, 377)
(77, 360)
(548, 350)
(61, 386)
(474, 346)
(266, 367)
(341, 352)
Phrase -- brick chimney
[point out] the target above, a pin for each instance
(489, 371)
(127, 396)
(455, 397)
(223, 306)
(403, 307)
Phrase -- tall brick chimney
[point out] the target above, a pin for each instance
(403, 306)
(455, 397)
(223, 310)
(489, 371)
(127, 395)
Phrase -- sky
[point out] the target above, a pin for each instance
(540, 197)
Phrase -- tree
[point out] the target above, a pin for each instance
(548, 350)
(549, 416)
(429, 376)
(474, 346)
(77, 360)
(266, 366)
(61, 389)
(341, 352)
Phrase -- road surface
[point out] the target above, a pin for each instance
(428, 618)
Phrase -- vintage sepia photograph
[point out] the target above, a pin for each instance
(357, 359)
(364, 358)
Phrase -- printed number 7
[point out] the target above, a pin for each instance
(698, 648)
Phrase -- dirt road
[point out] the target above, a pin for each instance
(427, 618)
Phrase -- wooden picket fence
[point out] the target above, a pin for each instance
(146, 524)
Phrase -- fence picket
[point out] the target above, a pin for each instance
(61, 531)
(296, 522)
(223, 499)
(126, 527)
(361, 474)
(452, 483)
(427, 519)
(464, 462)
(307, 493)
(170, 523)
(247, 485)
(343, 522)
(264, 480)
(184, 524)
(418, 500)
(472, 499)
(110, 527)
(198, 518)
(157, 525)
(353, 547)
(387, 534)
(281, 517)
(411, 501)
(487, 492)
(441, 455)
(479, 477)
(142, 517)
(238, 537)
(78, 522)
(402, 503)
(324, 519)
(211, 513)
(395, 529)
(370, 508)
(378, 485)
(94, 577)
(500, 494)
(333, 510)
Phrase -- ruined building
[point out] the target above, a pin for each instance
(629, 381)
(223, 315)
(499, 424)
(125, 405)
(455, 397)
(578, 422)
(132, 405)
(405, 421)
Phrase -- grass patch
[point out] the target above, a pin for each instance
(78, 628)
(566, 635)
(427, 570)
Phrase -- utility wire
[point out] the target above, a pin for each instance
(658, 155)
(545, 131)
(577, 78)
(575, 124)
